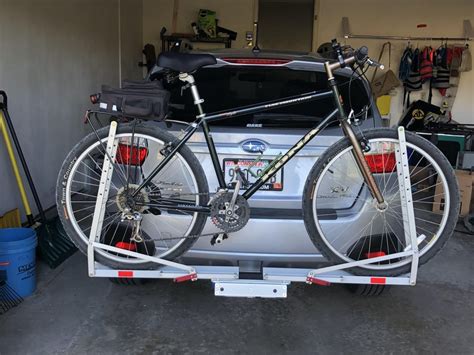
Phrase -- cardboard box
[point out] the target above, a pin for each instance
(420, 177)
(465, 181)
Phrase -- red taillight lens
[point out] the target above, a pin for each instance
(131, 155)
(95, 98)
(255, 61)
(381, 163)
(126, 246)
(374, 254)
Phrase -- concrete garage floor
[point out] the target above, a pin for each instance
(71, 313)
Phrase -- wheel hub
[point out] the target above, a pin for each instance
(381, 207)
(125, 202)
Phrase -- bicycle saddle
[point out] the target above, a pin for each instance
(184, 62)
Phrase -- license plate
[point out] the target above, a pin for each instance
(275, 183)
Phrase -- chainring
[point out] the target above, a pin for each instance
(225, 219)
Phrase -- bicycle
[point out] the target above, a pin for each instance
(160, 202)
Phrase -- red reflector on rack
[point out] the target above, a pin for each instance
(125, 274)
(374, 254)
(255, 61)
(381, 163)
(378, 280)
(127, 155)
(126, 246)
(192, 277)
(313, 280)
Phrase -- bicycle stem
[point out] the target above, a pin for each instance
(349, 132)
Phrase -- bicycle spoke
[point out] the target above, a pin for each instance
(174, 184)
(354, 226)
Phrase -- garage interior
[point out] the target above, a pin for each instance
(55, 53)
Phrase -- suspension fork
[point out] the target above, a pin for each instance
(349, 133)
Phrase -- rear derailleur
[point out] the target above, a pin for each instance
(136, 218)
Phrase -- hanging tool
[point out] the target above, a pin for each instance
(8, 296)
(11, 219)
(11, 155)
(53, 242)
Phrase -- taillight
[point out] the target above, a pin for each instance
(126, 246)
(131, 155)
(381, 163)
(255, 61)
(374, 254)
(95, 98)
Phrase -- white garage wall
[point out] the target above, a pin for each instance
(400, 17)
(278, 20)
(236, 15)
(131, 34)
(53, 54)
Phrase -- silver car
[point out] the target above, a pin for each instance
(275, 234)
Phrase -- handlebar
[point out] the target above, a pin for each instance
(359, 56)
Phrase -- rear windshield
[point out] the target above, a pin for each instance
(226, 88)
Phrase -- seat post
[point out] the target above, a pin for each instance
(188, 78)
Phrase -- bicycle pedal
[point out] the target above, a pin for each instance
(218, 238)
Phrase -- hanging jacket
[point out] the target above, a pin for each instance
(405, 64)
(456, 61)
(442, 73)
(426, 66)
(413, 81)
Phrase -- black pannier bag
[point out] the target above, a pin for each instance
(144, 99)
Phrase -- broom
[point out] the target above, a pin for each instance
(11, 219)
(8, 296)
(53, 242)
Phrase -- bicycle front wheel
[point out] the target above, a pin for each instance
(344, 221)
(165, 233)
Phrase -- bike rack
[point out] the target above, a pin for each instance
(274, 281)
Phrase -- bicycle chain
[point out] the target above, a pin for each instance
(179, 195)
(189, 236)
(218, 232)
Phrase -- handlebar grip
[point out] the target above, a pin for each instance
(373, 63)
(362, 54)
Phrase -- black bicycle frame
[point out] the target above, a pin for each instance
(276, 165)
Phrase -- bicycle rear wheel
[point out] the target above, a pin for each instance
(166, 233)
(344, 221)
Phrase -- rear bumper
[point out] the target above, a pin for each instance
(271, 242)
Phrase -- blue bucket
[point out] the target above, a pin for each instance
(18, 258)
